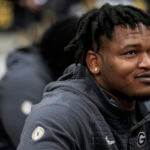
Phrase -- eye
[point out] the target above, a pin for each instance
(131, 52)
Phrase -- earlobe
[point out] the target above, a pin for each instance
(92, 61)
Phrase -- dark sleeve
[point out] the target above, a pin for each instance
(54, 127)
(5, 142)
(18, 91)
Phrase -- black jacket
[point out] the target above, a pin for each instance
(76, 114)
(22, 85)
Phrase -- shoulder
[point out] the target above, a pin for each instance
(57, 117)
(65, 115)
(52, 124)
(61, 104)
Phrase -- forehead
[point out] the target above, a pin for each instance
(127, 33)
(122, 36)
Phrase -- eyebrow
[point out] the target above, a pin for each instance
(131, 45)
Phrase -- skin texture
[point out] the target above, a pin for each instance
(123, 64)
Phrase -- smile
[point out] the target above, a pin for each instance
(144, 77)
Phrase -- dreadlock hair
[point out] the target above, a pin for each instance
(53, 42)
(98, 22)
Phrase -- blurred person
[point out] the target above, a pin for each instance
(55, 8)
(19, 14)
(61, 8)
(26, 12)
(29, 69)
(93, 105)
(32, 5)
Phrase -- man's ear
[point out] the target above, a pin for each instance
(93, 61)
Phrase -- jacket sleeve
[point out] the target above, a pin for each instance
(54, 127)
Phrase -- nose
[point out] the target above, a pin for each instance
(145, 61)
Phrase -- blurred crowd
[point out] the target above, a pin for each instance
(22, 22)
(18, 14)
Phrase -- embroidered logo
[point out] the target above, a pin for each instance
(37, 133)
(141, 139)
(109, 142)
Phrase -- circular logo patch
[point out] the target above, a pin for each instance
(141, 139)
(37, 133)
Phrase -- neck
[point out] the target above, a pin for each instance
(125, 104)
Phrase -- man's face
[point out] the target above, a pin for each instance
(125, 62)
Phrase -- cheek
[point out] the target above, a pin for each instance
(120, 69)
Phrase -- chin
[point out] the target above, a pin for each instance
(139, 93)
(142, 96)
(133, 95)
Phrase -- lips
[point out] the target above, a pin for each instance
(143, 77)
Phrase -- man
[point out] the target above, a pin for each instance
(29, 70)
(93, 106)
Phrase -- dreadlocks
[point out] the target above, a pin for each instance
(102, 21)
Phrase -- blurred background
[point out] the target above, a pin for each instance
(23, 22)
